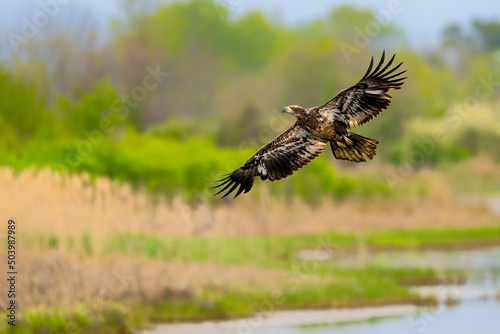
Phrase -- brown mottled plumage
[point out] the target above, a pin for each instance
(317, 126)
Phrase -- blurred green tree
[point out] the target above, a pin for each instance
(22, 111)
(488, 33)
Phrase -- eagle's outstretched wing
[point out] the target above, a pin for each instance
(365, 100)
(285, 154)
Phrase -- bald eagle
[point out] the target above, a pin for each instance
(317, 126)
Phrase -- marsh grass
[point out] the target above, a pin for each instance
(73, 205)
(158, 291)
(81, 318)
(93, 244)
(276, 250)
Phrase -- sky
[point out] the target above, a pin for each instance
(422, 21)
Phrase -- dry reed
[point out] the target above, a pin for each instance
(42, 201)
(60, 279)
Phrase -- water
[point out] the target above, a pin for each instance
(477, 308)
(467, 318)
(486, 260)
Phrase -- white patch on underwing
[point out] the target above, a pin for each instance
(374, 91)
(261, 169)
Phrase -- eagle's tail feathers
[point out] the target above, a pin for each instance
(354, 147)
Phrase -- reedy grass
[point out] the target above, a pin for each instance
(306, 283)
(279, 250)
(80, 318)
(335, 288)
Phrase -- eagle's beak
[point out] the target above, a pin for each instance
(286, 110)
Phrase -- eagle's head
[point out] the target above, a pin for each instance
(294, 110)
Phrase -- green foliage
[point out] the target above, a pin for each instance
(226, 76)
(346, 21)
(87, 246)
(91, 108)
(22, 111)
(247, 43)
(488, 33)
(210, 303)
(460, 134)
(53, 242)
(82, 318)
(436, 237)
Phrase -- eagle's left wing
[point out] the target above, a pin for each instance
(285, 154)
(365, 100)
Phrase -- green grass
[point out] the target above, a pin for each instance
(336, 288)
(282, 250)
(305, 284)
(435, 237)
(81, 318)
(210, 303)
(262, 250)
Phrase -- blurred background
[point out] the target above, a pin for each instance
(114, 114)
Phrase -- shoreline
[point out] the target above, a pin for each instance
(278, 319)
(446, 295)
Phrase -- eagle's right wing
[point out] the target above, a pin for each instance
(358, 104)
(291, 150)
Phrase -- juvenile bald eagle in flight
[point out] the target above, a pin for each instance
(316, 127)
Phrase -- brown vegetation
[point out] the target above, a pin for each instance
(43, 201)
(61, 279)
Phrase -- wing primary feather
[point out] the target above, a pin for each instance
(278, 159)
(379, 65)
(385, 67)
(231, 190)
(218, 180)
(240, 189)
(224, 178)
(369, 69)
(222, 174)
(211, 180)
(224, 181)
(365, 100)
(396, 85)
(223, 189)
(395, 75)
(391, 71)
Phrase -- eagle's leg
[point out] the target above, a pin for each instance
(353, 147)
